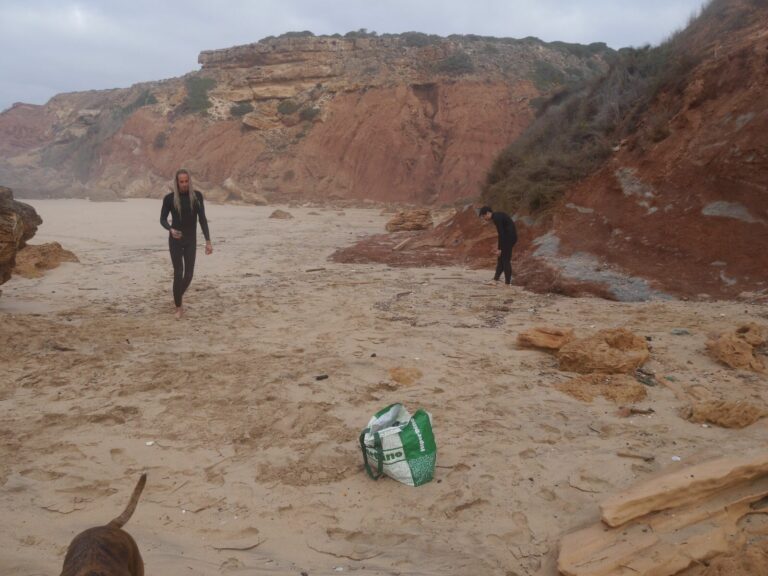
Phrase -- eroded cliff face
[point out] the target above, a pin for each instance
(679, 209)
(406, 118)
(689, 211)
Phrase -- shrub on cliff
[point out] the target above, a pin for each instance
(574, 132)
(197, 94)
(456, 64)
(576, 129)
(146, 98)
(308, 114)
(546, 75)
(241, 109)
(419, 39)
(296, 34)
(361, 33)
(160, 140)
(287, 107)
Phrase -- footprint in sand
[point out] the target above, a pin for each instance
(230, 565)
(547, 494)
(119, 456)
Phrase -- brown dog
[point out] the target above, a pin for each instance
(107, 550)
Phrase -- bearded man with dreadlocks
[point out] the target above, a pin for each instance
(185, 205)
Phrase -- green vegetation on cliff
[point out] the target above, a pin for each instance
(576, 128)
(197, 95)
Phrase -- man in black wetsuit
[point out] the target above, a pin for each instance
(507, 239)
(185, 205)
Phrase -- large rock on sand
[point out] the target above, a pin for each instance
(18, 223)
(737, 349)
(281, 215)
(410, 220)
(616, 351)
(33, 261)
(545, 337)
(724, 413)
(618, 388)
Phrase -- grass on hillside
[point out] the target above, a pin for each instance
(576, 129)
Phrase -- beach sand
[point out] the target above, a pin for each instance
(253, 464)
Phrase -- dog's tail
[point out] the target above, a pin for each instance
(120, 521)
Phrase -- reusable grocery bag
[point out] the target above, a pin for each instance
(400, 445)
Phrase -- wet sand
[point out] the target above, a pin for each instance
(253, 464)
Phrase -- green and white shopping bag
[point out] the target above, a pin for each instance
(400, 445)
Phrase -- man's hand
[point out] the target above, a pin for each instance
(498, 253)
(176, 233)
(208, 248)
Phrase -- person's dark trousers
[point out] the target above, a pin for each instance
(183, 258)
(504, 264)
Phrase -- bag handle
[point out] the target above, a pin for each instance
(379, 454)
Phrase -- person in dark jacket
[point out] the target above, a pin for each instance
(507, 239)
(186, 207)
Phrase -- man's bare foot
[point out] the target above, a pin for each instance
(492, 283)
(179, 312)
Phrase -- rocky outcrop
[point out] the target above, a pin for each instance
(663, 525)
(725, 414)
(461, 239)
(410, 220)
(618, 388)
(231, 191)
(605, 362)
(281, 215)
(466, 240)
(650, 222)
(410, 118)
(33, 260)
(695, 173)
(18, 223)
(545, 337)
(616, 351)
(738, 349)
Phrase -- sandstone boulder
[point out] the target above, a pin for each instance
(615, 351)
(281, 215)
(239, 192)
(405, 376)
(618, 388)
(280, 91)
(99, 194)
(254, 198)
(410, 220)
(216, 194)
(684, 487)
(258, 121)
(665, 524)
(546, 337)
(33, 261)
(724, 413)
(18, 223)
(737, 349)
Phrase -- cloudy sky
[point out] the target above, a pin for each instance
(52, 46)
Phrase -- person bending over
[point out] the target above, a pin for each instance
(186, 207)
(507, 239)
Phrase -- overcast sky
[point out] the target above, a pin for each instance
(52, 46)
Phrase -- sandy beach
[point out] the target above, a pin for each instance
(253, 464)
